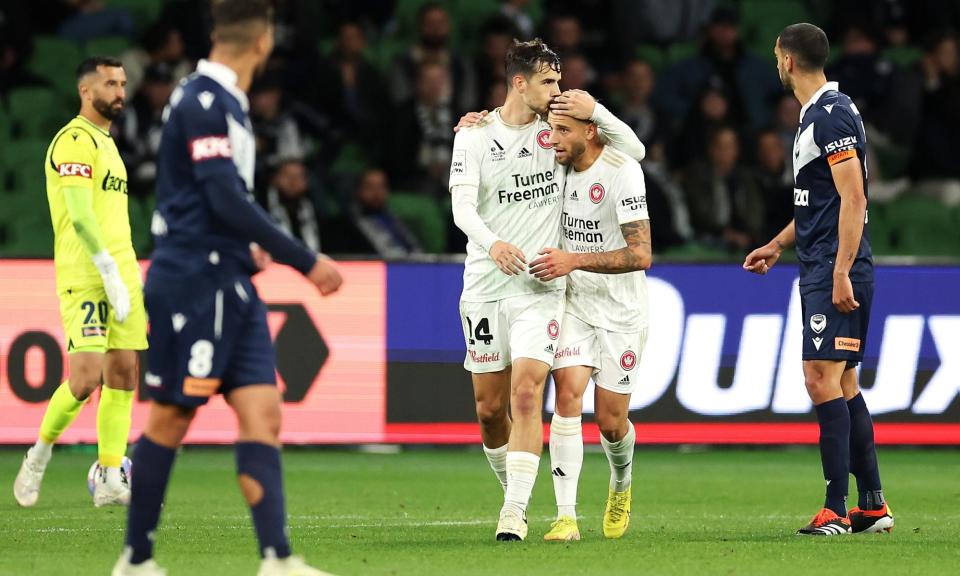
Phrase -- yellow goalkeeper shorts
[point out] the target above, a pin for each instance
(90, 326)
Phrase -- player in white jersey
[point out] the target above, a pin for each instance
(506, 190)
(606, 248)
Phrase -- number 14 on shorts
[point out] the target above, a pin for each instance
(482, 332)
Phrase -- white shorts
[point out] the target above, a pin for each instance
(614, 356)
(526, 326)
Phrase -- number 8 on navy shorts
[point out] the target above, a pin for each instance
(206, 337)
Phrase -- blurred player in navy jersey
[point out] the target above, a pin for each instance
(209, 330)
(829, 230)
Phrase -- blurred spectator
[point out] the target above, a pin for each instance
(91, 19)
(749, 84)
(725, 206)
(934, 162)
(564, 34)
(495, 97)
(141, 126)
(774, 180)
(160, 45)
(658, 22)
(496, 37)
(371, 228)
(277, 133)
(636, 108)
(512, 10)
(15, 49)
(350, 90)
(288, 200)
(787, 118)
(433, 45)
(193, 19)
(665, 202)
(579, 75)
(583, 26)
(422, 139)
(712, 111)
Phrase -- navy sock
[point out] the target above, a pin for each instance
(261, 480)
(834, 418)
(863, 455)
(151, 464)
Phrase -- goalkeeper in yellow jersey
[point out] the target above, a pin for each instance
(98, 283)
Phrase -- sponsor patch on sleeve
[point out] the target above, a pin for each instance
(848, 344)
(75, 169)
(841, 156)
(210, 147)
(458, 165)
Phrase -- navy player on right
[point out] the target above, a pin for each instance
(209, 331)
(836, 278)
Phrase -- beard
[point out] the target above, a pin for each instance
(785, 80)
(108, 110)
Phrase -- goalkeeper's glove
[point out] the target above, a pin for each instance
(116, 290)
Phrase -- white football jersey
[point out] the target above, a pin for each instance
(596, 202)
(520, 200)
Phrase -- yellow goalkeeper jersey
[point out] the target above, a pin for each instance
(84, 155)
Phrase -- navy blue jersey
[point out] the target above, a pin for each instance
(206, 134)
(831, 131)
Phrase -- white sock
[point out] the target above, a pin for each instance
(497, 457)
(521, 475)
(620, 456)
(566, 460)
(40, 452)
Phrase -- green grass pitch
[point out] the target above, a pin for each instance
(428, 512)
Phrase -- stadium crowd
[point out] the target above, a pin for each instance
(354, 113)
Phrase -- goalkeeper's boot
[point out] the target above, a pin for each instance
(123, 567)
(616, 516)
(512, 525)
(826, 523)
(111, 487)
(289, 566)
(871, 520)
(26, 488)
(563, 529)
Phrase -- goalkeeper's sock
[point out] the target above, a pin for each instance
(566, 460)
(521, 476)
(153, 464)
(620, 456)
(497, 457)
(61, 411)
(113, 425)
(261, 481)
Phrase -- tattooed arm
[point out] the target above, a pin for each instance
(553, 263)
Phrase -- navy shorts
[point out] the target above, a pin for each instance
(207, 337)
(828, 334)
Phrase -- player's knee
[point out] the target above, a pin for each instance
(84, 381)
(612, 426)
(569, 402)
(123, 376)
(816, 383)
(263, 424)
(491, 412)
(525, 400)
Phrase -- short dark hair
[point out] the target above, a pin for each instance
(231, 17)
(528, 58)
(808, 44)
(90, 65)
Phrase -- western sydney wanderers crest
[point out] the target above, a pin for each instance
(596, 193)
(628, 360)
(543, 139)
(553, 329)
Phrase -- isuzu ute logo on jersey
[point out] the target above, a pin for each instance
(841, 144)
(801, 197)
(596, 193)
(73, 169)
(543, 139)
(209, 147)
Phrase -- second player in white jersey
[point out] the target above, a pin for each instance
(597, 202)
